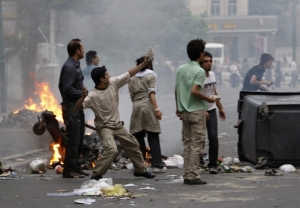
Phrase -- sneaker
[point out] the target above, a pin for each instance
(159, 170)
(194, 182)
(213, 171)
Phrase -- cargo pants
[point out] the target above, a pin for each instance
(193, 138)
(128, 143)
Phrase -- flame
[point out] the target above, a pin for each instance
(93, 164)
(56, 157)
(47, 101)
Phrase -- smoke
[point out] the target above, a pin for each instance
(121, 32)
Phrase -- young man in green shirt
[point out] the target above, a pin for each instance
(191, 107)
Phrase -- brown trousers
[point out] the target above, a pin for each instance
(128, 143)
(193, 138)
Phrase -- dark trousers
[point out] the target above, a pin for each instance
(153, 141)
(212, 133)
(74, 122)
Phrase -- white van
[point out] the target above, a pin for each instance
(217, 50)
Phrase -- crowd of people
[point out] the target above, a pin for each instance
(197, 102)
(284, 70)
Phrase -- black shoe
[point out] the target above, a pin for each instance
(82, 172)
(194, 182)
(146, 174)
(95, 177)
(72, 174)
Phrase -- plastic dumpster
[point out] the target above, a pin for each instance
(269, 127)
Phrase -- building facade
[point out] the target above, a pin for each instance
(244, 36)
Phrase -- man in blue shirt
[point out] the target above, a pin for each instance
(71, 87)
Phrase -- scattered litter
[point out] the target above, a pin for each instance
(20, 159)
(6, 178)
(92, 193)
(59, 169)
(147, 188)
(273, 173)
(236, 161)
(38, 166)
(129, 185)
(172, 176)
(227, 161)
(87, 201)
(116, 190)
(176, 161)
(288, 168)
(129, 166)
(222, 135)
(62, 191)
(146, 184)
(46, 179)
(262, 162)
(125, 198)
(62, 194)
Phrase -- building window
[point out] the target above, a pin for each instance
(215, 8)
(231, 7)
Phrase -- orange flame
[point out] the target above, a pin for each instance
(56, 157)
(93, 164)
(47, 100)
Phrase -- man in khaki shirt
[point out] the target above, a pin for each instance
(104, 101)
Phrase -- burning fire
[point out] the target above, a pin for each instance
(47, 100)
(56, 157)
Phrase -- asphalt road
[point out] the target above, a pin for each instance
(19, 147)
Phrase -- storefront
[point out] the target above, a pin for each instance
(244, 36)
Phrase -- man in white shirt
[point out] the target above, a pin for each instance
(210, 90)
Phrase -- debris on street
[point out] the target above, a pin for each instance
(22, 118)
(86, 201)
(38, 166)
(174, 162)
(288, 168)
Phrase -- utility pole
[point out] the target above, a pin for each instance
(2, 67)
(294, 28)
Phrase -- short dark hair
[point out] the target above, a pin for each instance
(73, 45)
(89, 56)
(265, 57)
(207, 54)
(194, 48)
(141, 60)
(97, 73)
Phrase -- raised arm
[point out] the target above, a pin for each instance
(138, 68)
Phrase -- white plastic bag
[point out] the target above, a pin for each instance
(176, 161)
(288, 168)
